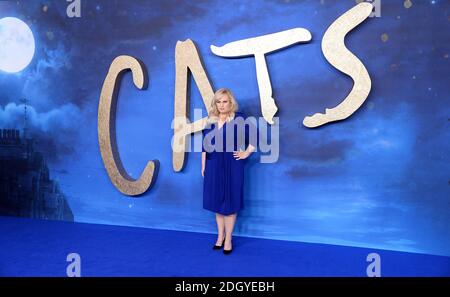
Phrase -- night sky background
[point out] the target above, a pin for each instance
(379, 179)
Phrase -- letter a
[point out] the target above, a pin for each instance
(187, 58)
(74, 9)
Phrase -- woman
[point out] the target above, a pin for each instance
(222, 167)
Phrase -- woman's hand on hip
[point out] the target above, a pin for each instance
(241, 155)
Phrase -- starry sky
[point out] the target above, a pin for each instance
(378, 179)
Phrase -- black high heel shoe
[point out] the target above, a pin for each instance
(218, 247)
(226, 252)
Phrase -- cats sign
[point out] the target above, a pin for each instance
(187, 58)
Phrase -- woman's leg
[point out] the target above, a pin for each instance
(220, 228)
(230, 220)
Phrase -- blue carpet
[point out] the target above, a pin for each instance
(39, 248)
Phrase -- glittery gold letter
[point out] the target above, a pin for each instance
(340, 57)
(259, 47)
(187, 58)
(107, 127)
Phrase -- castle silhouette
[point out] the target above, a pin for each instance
(26, 189)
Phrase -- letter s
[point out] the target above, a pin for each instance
(334, 50)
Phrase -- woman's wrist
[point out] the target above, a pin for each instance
(250, 149)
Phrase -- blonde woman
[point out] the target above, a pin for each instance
(222, 167)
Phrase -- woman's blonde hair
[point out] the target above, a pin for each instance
(214, 112)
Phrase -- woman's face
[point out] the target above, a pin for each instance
(224, 104)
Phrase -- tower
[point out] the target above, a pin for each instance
(24, 101)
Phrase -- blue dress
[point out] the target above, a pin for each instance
(223, 183)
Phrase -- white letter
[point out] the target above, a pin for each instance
(74, 268)
(374, 268)
(259, 47)
(334, 50)
(74, 9)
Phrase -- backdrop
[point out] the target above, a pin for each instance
(378, 179)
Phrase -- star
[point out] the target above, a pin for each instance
(50, 35)
(407, 4)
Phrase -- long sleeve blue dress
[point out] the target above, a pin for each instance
(223, 183)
